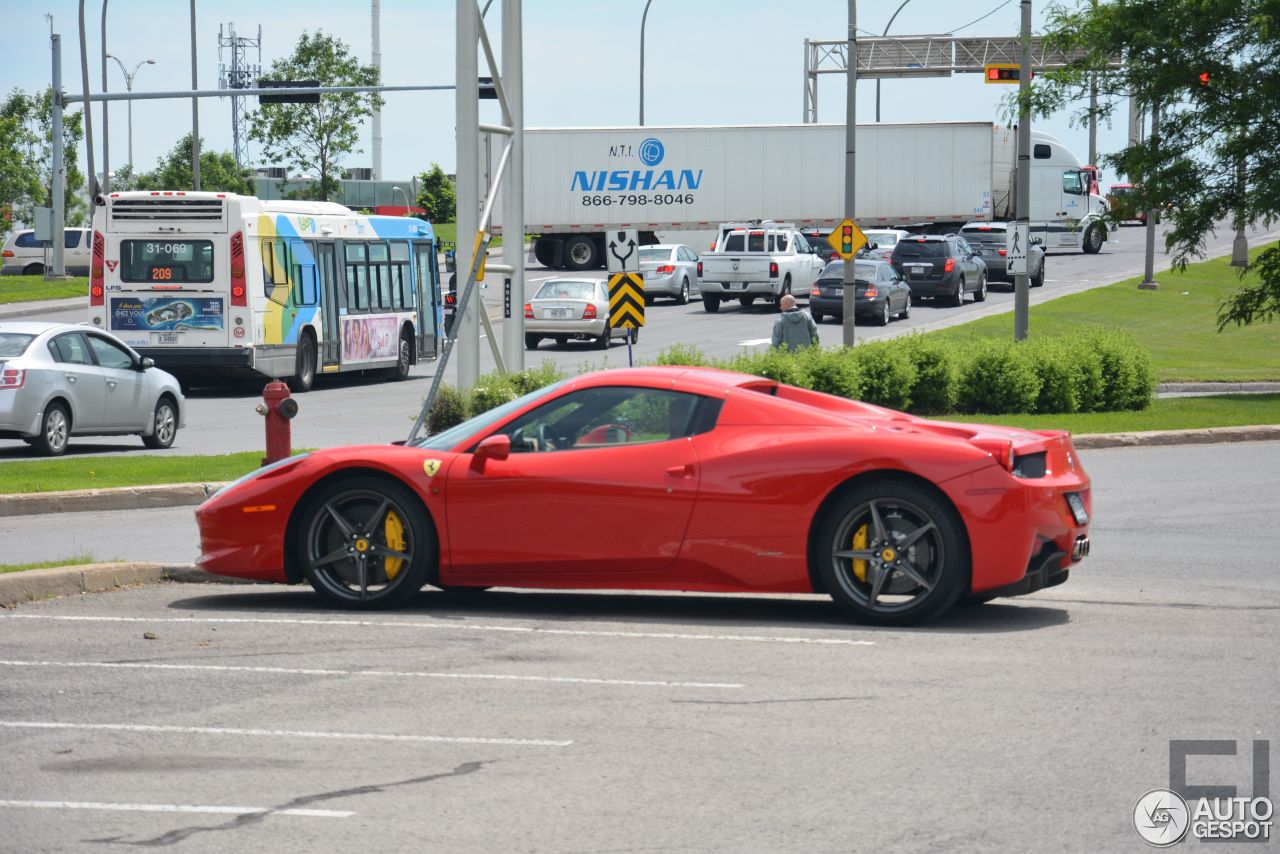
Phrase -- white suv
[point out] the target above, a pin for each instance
(23, 256)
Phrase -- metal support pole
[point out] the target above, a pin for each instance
(467, 119)
(1240, 246)
(106, 134)
(643, 19)
(804, 117)
(850, 162)
(88, 117)
(376, 27)
(513, 213)
(1149, 282)
(1021, 283)
(1093, 123)
(195, 108)
(886, 32)
(58, 184)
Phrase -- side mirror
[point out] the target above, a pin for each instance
(146, 362)
(496, 447)
(1036, 241)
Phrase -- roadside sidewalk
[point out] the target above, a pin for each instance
(12, 310)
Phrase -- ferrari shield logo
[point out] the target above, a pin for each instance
(431, 467)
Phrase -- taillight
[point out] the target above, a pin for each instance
(815, 292)
(239, 291)
(713, 249)
(589, 313)
(713, 246)
(450, 298)
(12, 378)
(528, 311)
(773, 269)
(665, 268)
(1001, 449)
(949, 266)
(872, 292)
(96, 283)
(1002, 252)
(8, 253)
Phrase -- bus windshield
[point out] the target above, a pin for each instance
(163, 260)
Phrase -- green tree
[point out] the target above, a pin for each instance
(218, 171)
(438, 196)
(26, 156)
(314, 138)
(1213, 69)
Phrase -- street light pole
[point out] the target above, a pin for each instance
(850, 160)
(106, 137)
(406, 198)
(128, 86)
(643, 18)
(886, 32)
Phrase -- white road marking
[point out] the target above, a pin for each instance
(285, 733)
(470, 627)
(755, 342)
(299, 671)
(96, 805)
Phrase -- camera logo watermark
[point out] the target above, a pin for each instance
(1209, 813)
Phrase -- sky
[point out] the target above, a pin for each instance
(705, 63)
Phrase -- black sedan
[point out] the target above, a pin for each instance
(880, 293)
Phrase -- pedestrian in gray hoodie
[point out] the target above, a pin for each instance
(794, 328)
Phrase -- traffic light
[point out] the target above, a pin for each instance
(998, 72)
(1204, 78)
(846, 240)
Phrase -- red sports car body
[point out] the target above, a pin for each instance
(670, 478)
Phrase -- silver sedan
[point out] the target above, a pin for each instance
(58, 380)
(669, 270)
(565, 309)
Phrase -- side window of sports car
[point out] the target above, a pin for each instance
(607, 417)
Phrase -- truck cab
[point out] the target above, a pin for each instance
(1065, 212)
(753, 260)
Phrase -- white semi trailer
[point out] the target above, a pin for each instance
(932, 177)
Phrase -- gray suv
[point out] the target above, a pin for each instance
(989, 239)
(942, 266)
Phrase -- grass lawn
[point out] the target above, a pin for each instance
(102, 472)
(29, 288)
(80, 560)
(1168, 413)
(1177, 323)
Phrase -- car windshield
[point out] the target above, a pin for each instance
(446, 439)
(14, 344)
(566, 290)
(991, 236)
(861, 272)
(920, 249)
(1121, 191)
(654, 253)
(882, 239)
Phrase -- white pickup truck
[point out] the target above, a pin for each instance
(752, 260)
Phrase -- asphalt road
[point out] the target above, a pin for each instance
(356, 409)
(257, 718)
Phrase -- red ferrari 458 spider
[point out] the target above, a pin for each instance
(670, 478)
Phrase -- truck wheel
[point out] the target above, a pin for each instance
(710, 303)
(580, 254)
(544, 251)
(1094, 236)
(786, 289)
(747, 302)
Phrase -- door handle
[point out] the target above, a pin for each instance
(112, 383)
(680, 471)
(71, 378)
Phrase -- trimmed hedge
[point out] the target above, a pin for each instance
(451, 407)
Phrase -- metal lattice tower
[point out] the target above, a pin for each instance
(236, 72)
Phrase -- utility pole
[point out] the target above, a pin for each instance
(1021, 284)
(106, 136)
(1149, 282)
(376, 28)
(59, 176)
(513, 213)
(88, 121)
(195, 108)
(850, 161)
(467, 129)
(1240, 246)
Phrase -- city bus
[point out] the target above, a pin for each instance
(218, 284)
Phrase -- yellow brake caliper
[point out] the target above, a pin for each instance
(860, 543)
(393, 529)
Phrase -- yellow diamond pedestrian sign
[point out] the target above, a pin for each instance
(626, 300)
(847, 239)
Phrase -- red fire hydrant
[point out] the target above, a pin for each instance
(279, 409)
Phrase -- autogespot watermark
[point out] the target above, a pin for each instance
(1209, 813)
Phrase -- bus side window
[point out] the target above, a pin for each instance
(275, 264)
(304, 284)
(401, 294)
(357, 277)
(379, 277)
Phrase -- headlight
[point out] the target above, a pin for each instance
(259, 472)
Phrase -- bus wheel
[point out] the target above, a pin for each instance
(304, 370)
(401, 369)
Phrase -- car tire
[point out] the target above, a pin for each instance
(371, 518)
(559, 339)
(747, 302)
(165, 428)
(55, 431)
(532, 341)
(980, 295)
(404, 360)
(602, 342)
(304, 370)
(786, 289)
(817, 316)
(683, 297)
(580, 253)
(906, 309)
(882, 318)
(710, 304)
(33, 270)
(1094, 236)
(1038, 281)
(875, 519)
(958, 297)
(634, 336)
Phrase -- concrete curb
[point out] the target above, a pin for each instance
(34, 584)
(120, 498)
(1205, 436)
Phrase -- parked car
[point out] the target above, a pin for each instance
(941, 266)
(884, 239)
(59, 380)
(879, 292)
(24, 256)
(571, 308)
(669, 270)
(894, 516)
(989, 239)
